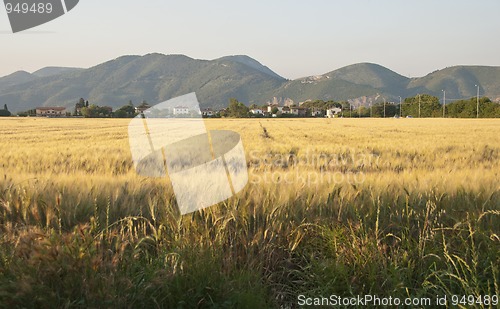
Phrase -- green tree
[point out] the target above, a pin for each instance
(468, 108)
(120, 114)
(126, 111)
(346, 109)
(86, 112)
(237, 109)
(332, 104)
(429, 106)
(489, 109)
(391, 110)
(78, 106)
(363, 111)
(30, 112)
(95, 111)
(321, 105)
(5, 112)
(274, 110)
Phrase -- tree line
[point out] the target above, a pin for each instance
(427, 106)
(420, 106)
(87, 110)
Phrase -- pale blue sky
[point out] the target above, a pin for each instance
(293, 38)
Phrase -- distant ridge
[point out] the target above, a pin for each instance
(157, 77)
(51, 71)
(19, 77)
(246, 60)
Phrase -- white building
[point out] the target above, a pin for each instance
(332, 112)
(207, 112)
(298, 111)
(50, 111)
(270, 108)
(257, 111)
(317, 112)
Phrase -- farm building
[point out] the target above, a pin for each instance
(50, 111)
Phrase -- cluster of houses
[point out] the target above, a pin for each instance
(61, 111)
(272, 110)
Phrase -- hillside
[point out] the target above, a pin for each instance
(459, 82)
(51, 71)
(157, 77)
(363, 79)
(16, 78)
(366, 79)
(251, 63)
(153, 77)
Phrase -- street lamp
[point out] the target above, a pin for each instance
(477, 108)
(444, 102)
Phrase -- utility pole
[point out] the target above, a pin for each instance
(384, 107)
(400, 108)
(444, 102)
(419, 106)
(477, 108)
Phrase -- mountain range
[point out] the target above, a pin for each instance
(157, 77)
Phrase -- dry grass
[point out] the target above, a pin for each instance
(394, 207)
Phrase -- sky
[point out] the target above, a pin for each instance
(293, 38)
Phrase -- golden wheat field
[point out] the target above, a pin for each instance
(93, 156)
(405, 207)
